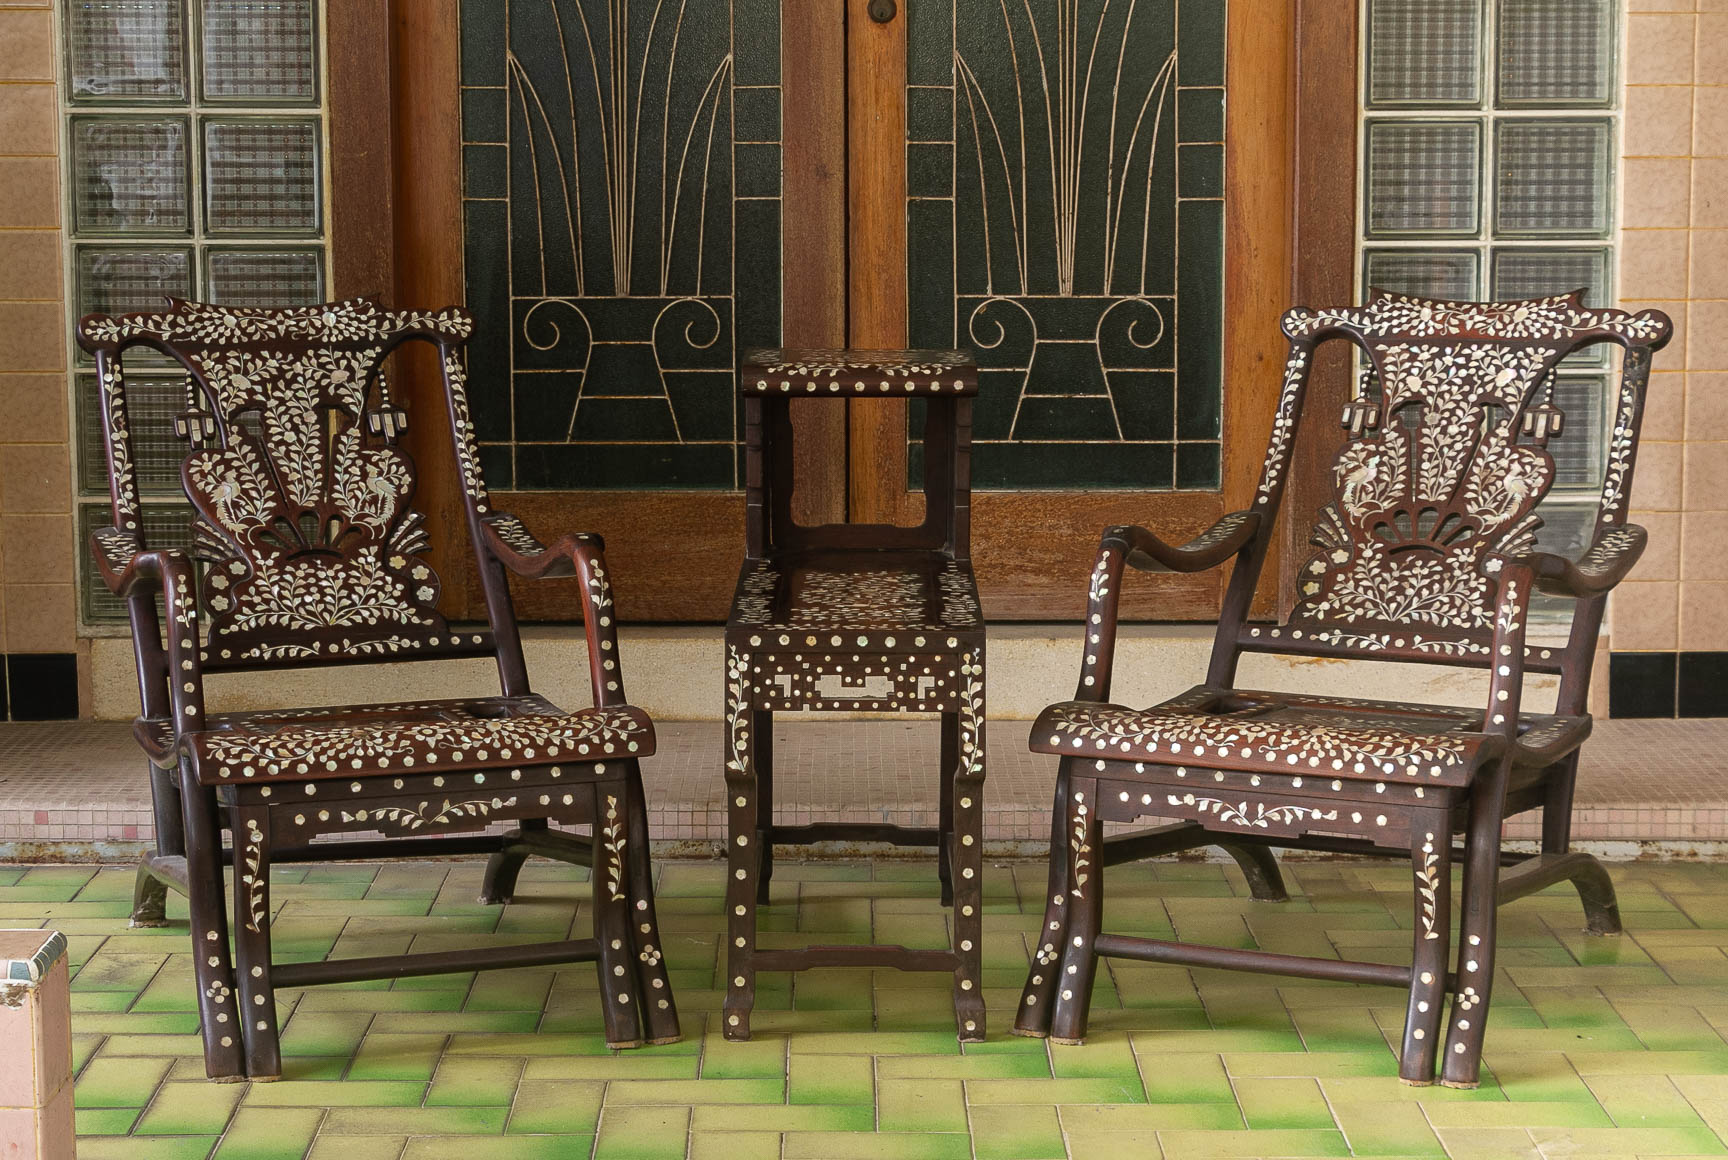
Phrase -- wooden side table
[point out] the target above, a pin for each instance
(850, 617)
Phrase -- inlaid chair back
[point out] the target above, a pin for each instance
(1444, 464)
(302, 496)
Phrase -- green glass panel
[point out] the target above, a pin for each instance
(622, 218)
(1073, 236)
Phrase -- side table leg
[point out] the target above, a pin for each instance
(762, 724)
(742, 857)
(945, 794)
(967, 844)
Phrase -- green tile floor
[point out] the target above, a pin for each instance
(1597, 1048)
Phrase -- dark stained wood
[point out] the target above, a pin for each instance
(1424, 552)
(1325, 76)
(855, 617)
(310, 552)
(362, 202)
(813, 126)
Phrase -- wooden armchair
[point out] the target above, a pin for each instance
(1425, 553)
(308, 553)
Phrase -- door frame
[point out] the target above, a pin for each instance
(396, 227)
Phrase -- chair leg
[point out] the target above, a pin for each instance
(963, 792)
(1432, 867)
(211, 967)
(620, 1000)
(149, 893)
(945, 795)
(1038, 997)
(1260, 868)
(256, 1006)
(1596, 892)
(149, 899)
(1085, 837)
(1595, 889)
(502, 868)
(659, 1010)
(742, 850)
(762, 722)
(1474, 983)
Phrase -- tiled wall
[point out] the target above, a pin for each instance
(37, 602)
(1674, 256)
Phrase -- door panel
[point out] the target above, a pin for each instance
(1075, 200)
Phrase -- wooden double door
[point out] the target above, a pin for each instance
(1095, 196)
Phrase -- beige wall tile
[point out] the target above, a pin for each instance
(26, 45)
(1707, 336)
(29, 119)
(1659, 192)
(30, 264)
(1646, 615)
(1661, 558)
(1707, 406)
(1665, 408)
(1709, 200)
(1660, 49)
(1704, 546)
(29, 193)
(1709, 264)
(1659, 120)
(41, 618)
(35, 479)
(1704, 616)
(1656, 485)
(33, 336)
(1653, 263)
(1712, 62)
(1706, 485)
(34, 407)
(39, 549)
(1710, 121)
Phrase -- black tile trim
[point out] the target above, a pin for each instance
(1642, 684)
(42, 686)
(1702, 685)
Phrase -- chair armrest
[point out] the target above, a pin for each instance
(1216, 545)
(578, 554)
(1603, 565)
(125, 564)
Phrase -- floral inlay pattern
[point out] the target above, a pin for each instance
(1253, 815)
(873, 599)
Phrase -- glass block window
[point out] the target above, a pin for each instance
(1489, 146)
(194, 168)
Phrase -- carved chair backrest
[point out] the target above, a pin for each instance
(1444, 462)
(942, 383)
(302, 497)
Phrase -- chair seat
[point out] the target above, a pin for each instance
(835, 596)
(421, 737)
(1292, 733)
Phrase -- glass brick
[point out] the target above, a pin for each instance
(1556, 52)
(259, 50)
(1579, 449)
(1556, 178)
(151, 405)
(1424, 52)
(130, 176)
(126, 50)
(1567, 525)
(261, 176)
(1537, 273)
(1424, 177)
(118, 280)
(265, 278)
(165, 526)
(1449, 274)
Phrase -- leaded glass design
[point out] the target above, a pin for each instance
(622, 202)
(259, 51)
(1424, 177)
(1065, 221)
(1556, 53)
(1425, 52)
(130, 176)
(126, 50)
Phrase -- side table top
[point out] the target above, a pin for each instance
(853, 373)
